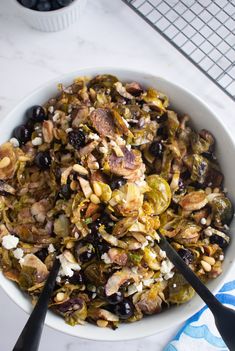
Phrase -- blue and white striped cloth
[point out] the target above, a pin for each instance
(199, 332)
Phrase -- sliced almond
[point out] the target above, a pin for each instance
(102, 323)
(86, 188)
(4, 162)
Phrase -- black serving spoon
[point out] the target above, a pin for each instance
(31, 334)
(224, 316)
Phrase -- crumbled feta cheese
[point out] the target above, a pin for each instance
(128, 147)
(67, 267)
(56, 117)
(144, 244)
(146, 108)
(103, 150)
(18, 253)
(139, 287)
(208, 231)
(203, 221)
(131, 289)
(134, 269)
(105, 257)
(14, 142)
(152, 254)
(126, 123)
(37, 141)
(51, 248)
(166, 266)
(10, 241)
(93, 295)
(221, 257)
(68, 130)
(162, 253)
(51, 109)
(174, 285)
(148, 282)
(58, 279)
(76, 235)
(120, 140)
(169, 275)
(93, 136)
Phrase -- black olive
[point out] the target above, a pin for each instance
(55, 5)
(64, 2)
(124, 309)
(219, 240)
(115, 298)
(107, 222)
(156, 149)
(162, 118)
(57, 173)
(186, 255)
(36, 113)
(28, 3)
(76, 139)
(163, 133)
(102, 247)
(22, 134)
(43, 160)
(84, 252)
(42, 254)
(65, 191)
(77, 278)
(94, 226)
(116, 183)
(43, 5)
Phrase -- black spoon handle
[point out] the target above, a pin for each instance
(31, 334)
(224, 316)
(188, 274)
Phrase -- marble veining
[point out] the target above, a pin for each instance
(109, 34)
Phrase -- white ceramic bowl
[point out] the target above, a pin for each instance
(52, 21)
(202, 117)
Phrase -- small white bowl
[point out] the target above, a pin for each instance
(52, 21)
(182, 101)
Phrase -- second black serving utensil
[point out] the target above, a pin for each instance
(224, 316)
(30, 336)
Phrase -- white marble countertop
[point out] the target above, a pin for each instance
(109, 34)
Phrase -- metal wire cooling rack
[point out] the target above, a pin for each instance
(202, 30)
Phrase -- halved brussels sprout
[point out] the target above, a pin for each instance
(179, 290)
(160, 194)
(222, 210)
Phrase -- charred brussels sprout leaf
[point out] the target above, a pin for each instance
(103, 81)
(96, 273)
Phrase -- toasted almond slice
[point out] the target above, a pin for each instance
(209, 260)
(86, 188)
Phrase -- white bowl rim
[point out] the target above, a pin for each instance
(91, 71)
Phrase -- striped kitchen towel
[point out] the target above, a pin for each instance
(199, 332)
